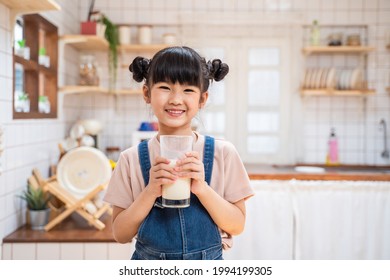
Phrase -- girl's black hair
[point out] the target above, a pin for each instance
(178, 64)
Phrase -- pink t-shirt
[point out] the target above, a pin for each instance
(229, 177)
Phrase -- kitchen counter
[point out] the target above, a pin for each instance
(73, 229)
(331, 173)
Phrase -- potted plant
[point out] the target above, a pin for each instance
(22, 102)
(23, 51)
(111, 35)
(37, 205)
(43, 59)
(43, 104)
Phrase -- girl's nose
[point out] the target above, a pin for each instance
(175, 98)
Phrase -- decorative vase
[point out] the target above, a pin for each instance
(39, 218)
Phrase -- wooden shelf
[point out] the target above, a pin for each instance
(95, 89)
(37, 80)
(86, 42)
(96, 43)
(141, 48)
(337, 49)
(31, 6)
(332, 92)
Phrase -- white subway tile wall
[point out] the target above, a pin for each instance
(33, 143)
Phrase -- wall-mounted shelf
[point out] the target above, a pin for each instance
(97, 43)
(85, 42)
(332, 92)
(31, 6)
(98, 90)
(327, 71)
(141, 48)
(337, 49)
(24, 7)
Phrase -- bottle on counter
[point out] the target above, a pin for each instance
(315, 34)
(332, 158)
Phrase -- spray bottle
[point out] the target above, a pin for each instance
(332, 158)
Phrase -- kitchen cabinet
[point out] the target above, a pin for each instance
(315, 220)
(339, 70)
(93, 43)
(35, 78)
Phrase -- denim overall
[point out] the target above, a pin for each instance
(178, 233)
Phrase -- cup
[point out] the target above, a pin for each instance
(177, 194)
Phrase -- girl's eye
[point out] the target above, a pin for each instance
(189, 90)
(164, 87)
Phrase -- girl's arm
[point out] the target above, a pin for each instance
(126, 222)
(230, 217)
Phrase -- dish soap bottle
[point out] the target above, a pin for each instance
(315, 34)
(332, 158)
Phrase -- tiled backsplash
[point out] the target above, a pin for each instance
(33, 143)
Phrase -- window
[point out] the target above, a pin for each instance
(251, 107)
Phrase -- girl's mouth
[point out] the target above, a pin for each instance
(175, 112)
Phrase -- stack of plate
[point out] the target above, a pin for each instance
(319, 78)
(349, 79)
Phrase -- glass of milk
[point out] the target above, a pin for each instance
(173, 147)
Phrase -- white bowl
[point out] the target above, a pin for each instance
(91, 126)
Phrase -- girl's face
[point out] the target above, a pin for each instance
(174, 105)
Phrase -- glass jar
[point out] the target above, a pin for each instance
(88, 71)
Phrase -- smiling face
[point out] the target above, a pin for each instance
(175, 105)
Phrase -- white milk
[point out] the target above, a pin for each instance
(180, 189)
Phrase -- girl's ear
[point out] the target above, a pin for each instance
(145, 92)
(203, 99)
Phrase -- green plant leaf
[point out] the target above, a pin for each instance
(111, 35)
(36, 199)
(22, 43)
(42, 51)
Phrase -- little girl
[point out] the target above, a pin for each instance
(176, 87)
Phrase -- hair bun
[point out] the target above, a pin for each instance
(139, 67)
(217, 69)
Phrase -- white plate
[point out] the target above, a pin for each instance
(318, 78)
(356, 79)
(77, 131)
(83, 169)
(324, 77)
(309, 169)
(331, 78)
(307, 78)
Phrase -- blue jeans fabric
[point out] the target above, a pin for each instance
(178, 233)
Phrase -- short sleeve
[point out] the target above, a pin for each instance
(119, 191)
(237, 183)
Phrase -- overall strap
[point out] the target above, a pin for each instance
(143, 155)
(208, 158)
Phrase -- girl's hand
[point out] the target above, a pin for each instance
(192, 167)
(160, 173)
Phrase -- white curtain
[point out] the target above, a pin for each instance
(316, 220)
